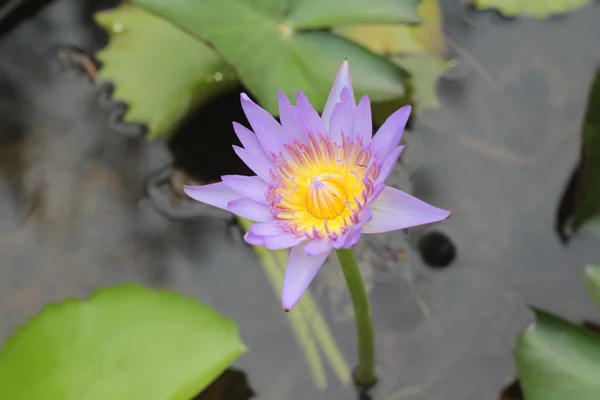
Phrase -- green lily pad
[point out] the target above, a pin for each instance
(401, 39)
(534, 8)
(330, 13)
(424, 72)
(558, 360)
(269, 55)
(419, 50)
(591, 277)
(588, 204)
(124, 342)
(160, 71)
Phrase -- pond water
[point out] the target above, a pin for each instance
(447, 299)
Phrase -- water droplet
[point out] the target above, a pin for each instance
(286, 30)
(117, 27)
(218, 77)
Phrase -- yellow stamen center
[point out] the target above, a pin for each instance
(321, 186)
(327, 196)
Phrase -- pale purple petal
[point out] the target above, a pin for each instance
(253, 187)
(300, 271)
(267, 229)
(363, 124)
(342, 80)
(253, 239)
(270, 134)
(318, 246)
(390, 133)
(256, 163)
(250, 141)
(394, 210)
(351, 238)
(342, 119)
(290, 121)
(389, 163)
(216, 194)
(311, 118)
(250, 209)
(283, 242)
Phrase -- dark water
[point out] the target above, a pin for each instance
(85, 202)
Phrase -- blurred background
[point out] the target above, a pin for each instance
(107, 109)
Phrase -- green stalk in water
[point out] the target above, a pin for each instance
(365, 371)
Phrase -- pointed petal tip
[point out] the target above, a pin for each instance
(443, 214)
(187, 190)
(342, 80)
(215, 194)
(282, 99)
(286, 309)
(344, 67)
(299, 273)
(344, 70)
(394, 210)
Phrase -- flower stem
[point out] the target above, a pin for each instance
(364, 375)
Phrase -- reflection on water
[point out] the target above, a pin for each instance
(84, 206)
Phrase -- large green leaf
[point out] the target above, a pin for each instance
(269, 55)
(158, 70)
(534, 8)
(329, 13)
(588, 204)
(396, 39)
(124, 342)
(417, 49)
(591, 277)
(557, 360)
(424, 71)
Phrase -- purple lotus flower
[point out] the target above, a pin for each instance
(319, 180)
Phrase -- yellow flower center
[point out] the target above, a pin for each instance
(327, 196)
(321, 186)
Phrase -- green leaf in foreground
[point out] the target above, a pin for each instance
(159, 71)
(591, 277)
(534, 8)
(269, 55)
(124, 342)
(588, 204)
(557, 360)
